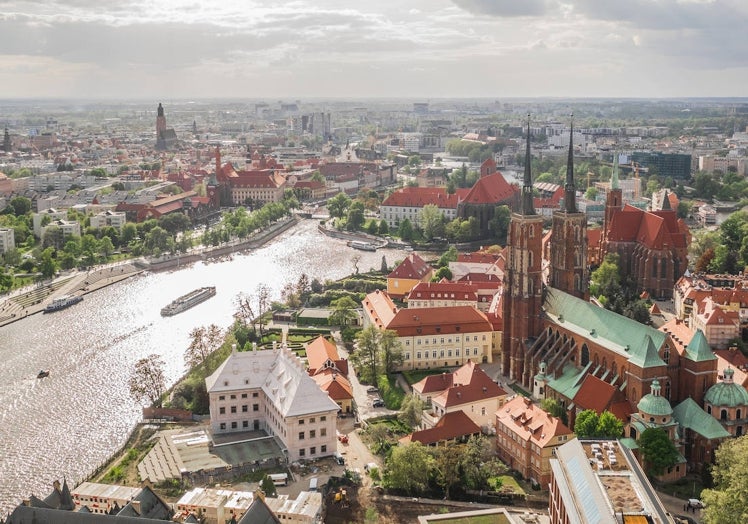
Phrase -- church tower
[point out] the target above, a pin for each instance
(568, 249)
(523, 284)
(614, 199)
(6, 141)
(160, 128)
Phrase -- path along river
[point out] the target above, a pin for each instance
(69, 423)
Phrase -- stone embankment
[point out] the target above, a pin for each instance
(30, 301)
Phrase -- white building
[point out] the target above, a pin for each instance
(270, 390)
(115, 219)
(52, 214)
(7, 240)
(68, 228)
(101, 498)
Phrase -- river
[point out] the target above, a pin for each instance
(69, 423)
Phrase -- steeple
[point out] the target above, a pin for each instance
(614, 179)
(666, 201)
(218, 161)
(570, 193)
(526, 204)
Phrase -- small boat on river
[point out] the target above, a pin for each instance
(62, 302)
(44, 373)
(189, 300)
(363, 246)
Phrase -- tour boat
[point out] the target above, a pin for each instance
(189, 300)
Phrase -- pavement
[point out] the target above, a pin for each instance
(33, 299)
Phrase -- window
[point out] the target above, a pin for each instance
(312, 434)
(233, 425)
(244, 395)
(302, 452)
(323, 432)
(233, 397)
(222, 410)
(222, 397)
(223, 425)
(313, 450)
(312, 420)
(433, 354)
(323, 449)
(301, 435)
(418, 355)
(407, 356)
(255, 394)
(323, 418)
(301, 422)
(245, 423)
(233, 409)
(245, 408)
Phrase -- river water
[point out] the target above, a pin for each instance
(69, 423)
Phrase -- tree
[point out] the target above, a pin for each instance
(554, 407)
(47, 264)
(432, 222)
(447, 461)
(384, 228)
(390, 349)
(355, 216)
(658, 451)
(585, 425)
(203, 342)
(406, 230)
(268, 487)
(366, 357)
(479, 462)
(147, 381)
(106, 247)
(411, 411)
(21, 205)
(338, 205)
(449, 255)
(379, 433)
(589, 425)
(408, 468)
(344, 311)
(606, 280)
(726, 503)
(442, 272)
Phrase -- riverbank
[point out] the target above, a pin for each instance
(80, 283)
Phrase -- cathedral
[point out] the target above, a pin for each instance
(559, 345)
(166, 139)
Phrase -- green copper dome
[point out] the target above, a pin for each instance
(653, 404)
(727, 393)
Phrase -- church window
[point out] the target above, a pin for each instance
(663, 268)
(737, 414)
(709, 409)
(654, 267)
(585, 355)
(667, 390)
(723, 414)
(666, 355)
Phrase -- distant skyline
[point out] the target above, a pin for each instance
(421, 49)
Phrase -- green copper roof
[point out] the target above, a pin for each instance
(629, 443)
(653, 403)
(611, 330)
(570, 380)
(690, 415)
(727, 395)
(698, 349)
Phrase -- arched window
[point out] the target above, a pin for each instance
(709, 409)
(667, 390)
(614, 368)
(666, 355)
(723, 414)
(585, 355)
(737, 414)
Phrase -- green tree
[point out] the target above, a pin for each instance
(658, 451)
(411, 411)
(609, 426)
(446, 463)
(47, 264)
(268, 486)
(479, 463)
(148, 381)
(366, 358)
(585, 425)
(432, 222)
(338, 205)
(408, 468)
(554, 407)
(450, 255)
(344, 311)
(20, 205)
(442, 272)
(391, 350)
(727, 503)
(106, 247)
(372, 227)
(499, 224)
(355, 216)
(384, 228)
(605, 281)
(129, 233)
(406, 230)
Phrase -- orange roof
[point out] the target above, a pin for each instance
(529, 422)
(337, 386)
(679, 332)
(420, 197)
(452, 425)
(444, 289)
(319, 351)
(439, 320)
(380, 308)
(728, 358)
(467, 384)
(597, 394)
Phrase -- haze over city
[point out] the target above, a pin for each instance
(327, 48)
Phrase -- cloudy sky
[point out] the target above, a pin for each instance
(377, 48)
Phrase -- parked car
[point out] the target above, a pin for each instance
(378, 403)
(343, 438)
(372, 389)
(695, 503)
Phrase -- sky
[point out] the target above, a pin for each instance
(421, 49)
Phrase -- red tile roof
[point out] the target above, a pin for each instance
(491, 189)
(529, 422)
(443, 290)
(379, 307)
(337, 386)
(319, 351)
(420, 197)
(598, 395)
(413, 267)
(467, 384)
(439, 321)
(451, 426)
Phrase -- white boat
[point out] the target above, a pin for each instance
(61, 303)
(189, 300)
(364, 246)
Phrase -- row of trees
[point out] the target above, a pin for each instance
(414, 469)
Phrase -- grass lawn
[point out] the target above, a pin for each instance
(390, 392)
(686, 488)
(416, 375)
(510, 485)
